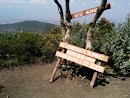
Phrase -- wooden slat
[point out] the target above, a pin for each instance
(84, 51)
(80, 62)
(87, 12)
(80, 56)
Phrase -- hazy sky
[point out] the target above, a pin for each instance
(46, 10)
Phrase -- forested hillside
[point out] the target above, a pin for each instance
(27, 26)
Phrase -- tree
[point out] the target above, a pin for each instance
(66, 30)
(65, 25)
(99, 12)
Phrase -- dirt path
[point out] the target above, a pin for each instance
(33, 82)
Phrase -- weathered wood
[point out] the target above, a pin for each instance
(63, 27)
(84, 51)
(80, 62)
(80, 56)
(55, 69)
(68, 15)
(94, 77)
(66, 30)
(65, 24)
(89, 11)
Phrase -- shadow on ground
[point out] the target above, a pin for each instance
(1, 87)
(88, 73)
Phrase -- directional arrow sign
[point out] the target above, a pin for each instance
(89, 11)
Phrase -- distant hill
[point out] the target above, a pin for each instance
(27, 26)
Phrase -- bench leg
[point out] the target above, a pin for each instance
(94, 77)
(55, 69)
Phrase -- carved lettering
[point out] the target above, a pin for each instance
(84, 51)
(78, 14)
(91, 11)
(87, 12)
(83, 57)
(80, 61)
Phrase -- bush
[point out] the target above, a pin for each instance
(27, 46)
(50, 45)
(102, 31)
(118, 48)
(24, 47)
(18, 48)
(79, 34)
(6, 39)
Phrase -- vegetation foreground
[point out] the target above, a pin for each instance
(28, 47)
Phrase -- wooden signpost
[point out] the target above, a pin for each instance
(89, 11)
(79, 55)
(82, 57)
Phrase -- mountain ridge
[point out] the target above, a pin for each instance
(27, 26)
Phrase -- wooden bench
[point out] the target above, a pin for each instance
(82, 57)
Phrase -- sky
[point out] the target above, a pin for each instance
(12, 11)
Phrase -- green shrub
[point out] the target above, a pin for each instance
(79, 34)
(6, 39)
(102, 31)
(118, 48)
(19, 48)
(50, 44)
(24, 47)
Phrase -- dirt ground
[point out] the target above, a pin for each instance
(32, 81)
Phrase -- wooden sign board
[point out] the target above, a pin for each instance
(80, 56)
(87, 12)
(84, 51)
(80, 61)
